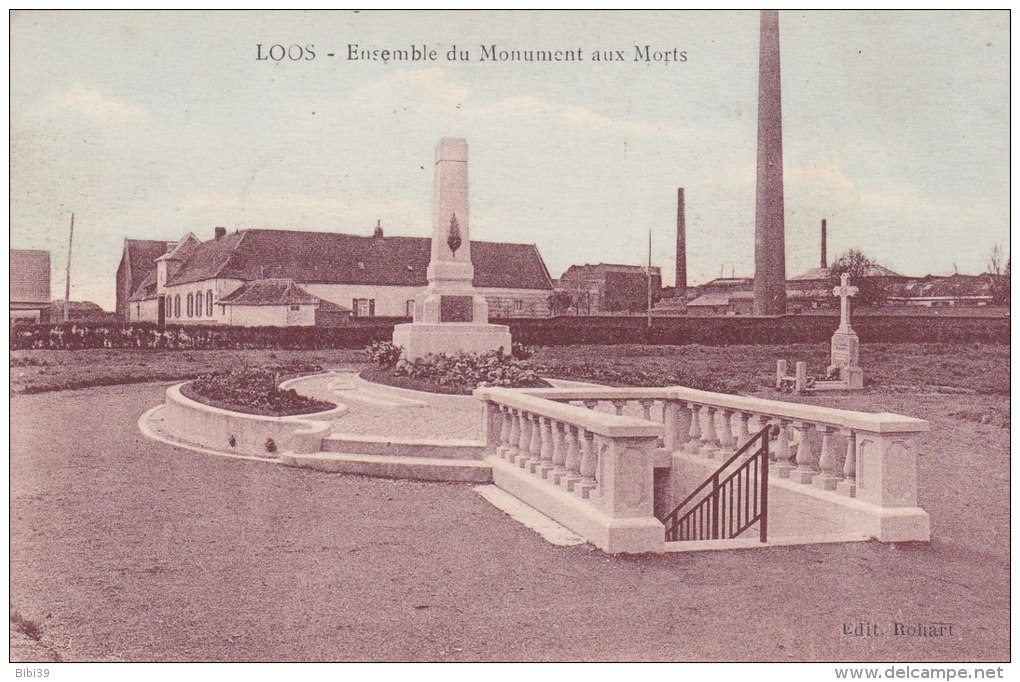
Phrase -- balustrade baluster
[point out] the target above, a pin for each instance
(646, 408)
(848, 486)
(709, 448)
(782, 450)
(546, 465)
(694, 442)
(591, 404)
(619, 405)
(743, 433)
(535, 447)
(682, 430)
(513, 444)
(524, 444)
(573, 460)
(725, 432)
(589, 464)
(806, 457)
(827, 460)
(504, 432)
(559, 455)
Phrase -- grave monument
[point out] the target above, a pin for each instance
(844, 354)
(451, 316)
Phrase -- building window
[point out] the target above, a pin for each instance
(191, 305)
(410, 308)
(208, 303)
(295, 307)
(177, 305)
(364, 307)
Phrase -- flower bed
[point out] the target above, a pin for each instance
(458, 373)
(253, 391)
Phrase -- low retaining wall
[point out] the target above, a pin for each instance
(249, 434)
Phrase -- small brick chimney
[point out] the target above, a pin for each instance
(220, 233)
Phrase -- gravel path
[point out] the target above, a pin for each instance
(126, 549)
(444, 417)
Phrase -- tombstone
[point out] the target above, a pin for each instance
(844, 354)
(451, 316)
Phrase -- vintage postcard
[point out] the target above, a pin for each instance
(511, 336)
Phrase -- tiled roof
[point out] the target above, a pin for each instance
(269, 292)
(713, 299)
(332, 258)
(142, 255)
(147, 288)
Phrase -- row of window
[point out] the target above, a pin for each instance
(365, 307)
(193, 303)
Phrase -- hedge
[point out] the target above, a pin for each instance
(197, 337)
(554, 331)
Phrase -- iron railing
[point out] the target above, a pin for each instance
(732, 504)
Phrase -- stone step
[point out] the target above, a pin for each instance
(412, 468)
(374, 400)
(390, 446)
(397, 393)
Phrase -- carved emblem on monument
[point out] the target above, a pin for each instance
(454, 239)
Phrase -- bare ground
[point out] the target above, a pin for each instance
(126, 549)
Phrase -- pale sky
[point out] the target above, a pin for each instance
(150, 125)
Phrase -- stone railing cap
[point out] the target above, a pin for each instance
(601, 423)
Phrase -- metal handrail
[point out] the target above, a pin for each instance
(674, 522)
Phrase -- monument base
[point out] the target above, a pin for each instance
(419, 339)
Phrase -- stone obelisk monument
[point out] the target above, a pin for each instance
(769, 231)
(451, 316)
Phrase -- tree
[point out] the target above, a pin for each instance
(1000, 287)
(995, 266)
(559, 302)
(870, 288)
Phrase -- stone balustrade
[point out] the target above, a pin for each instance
(870, 457)
(601, 445)
(862, 455)
(591, 471)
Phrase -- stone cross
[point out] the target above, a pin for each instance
(844, 291)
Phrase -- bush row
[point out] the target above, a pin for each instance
(75, 336)
(709, 331)
(720, 331)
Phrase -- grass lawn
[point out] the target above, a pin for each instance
(965, 368)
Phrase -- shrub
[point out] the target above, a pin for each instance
(520, 351)
(384, 353)
(469, 370)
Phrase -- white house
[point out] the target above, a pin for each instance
(289, 278)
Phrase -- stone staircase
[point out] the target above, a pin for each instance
(422, 460)
(418, 458)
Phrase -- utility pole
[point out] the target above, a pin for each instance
(67, 285)
(648, 273)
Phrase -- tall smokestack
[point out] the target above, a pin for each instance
(769, 230)
(681, 248)
(823, 244)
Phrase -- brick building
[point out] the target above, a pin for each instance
(610, 288)
(30, 284)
